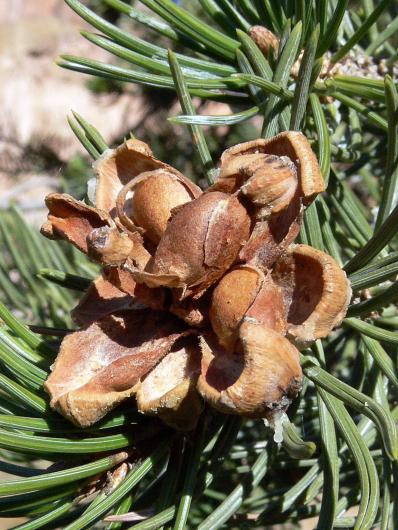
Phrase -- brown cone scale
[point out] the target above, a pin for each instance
(316, 291)
(260, 381)
(202, 240)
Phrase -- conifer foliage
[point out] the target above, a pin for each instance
(326, 68)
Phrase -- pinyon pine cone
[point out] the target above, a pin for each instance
(202, 294)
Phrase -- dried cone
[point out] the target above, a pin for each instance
(164, 244)
(169, 390)
(202, 240)
(316, 292)
(259, 382)
(245, 292)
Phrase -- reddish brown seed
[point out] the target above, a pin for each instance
(245, 293)
(118, 167)
(154, 199)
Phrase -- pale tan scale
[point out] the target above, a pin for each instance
(316, 290)
(169, 390)
(272, 182)
(259, 382)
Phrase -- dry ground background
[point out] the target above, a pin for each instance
(35, 139)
